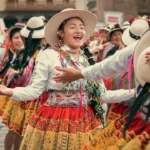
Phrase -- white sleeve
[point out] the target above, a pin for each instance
(110, 66)
(117, 96)
(37, 82)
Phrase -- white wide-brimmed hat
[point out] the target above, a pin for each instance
(43, 18)
(141, 69)
(35, 25)
(135, 31)
(88, 18)
(106, 28)
(114, 28)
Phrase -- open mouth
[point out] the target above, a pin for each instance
(18, 44)
(77, 37)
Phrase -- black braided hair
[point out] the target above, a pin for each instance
(46, 46)
(139, 101)
(88, 54)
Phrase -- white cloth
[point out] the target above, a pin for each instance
(110, 66)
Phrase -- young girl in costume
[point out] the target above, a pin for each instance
(14, 44)
(65, 120)
(16, 114)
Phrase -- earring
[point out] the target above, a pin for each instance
(61, 42)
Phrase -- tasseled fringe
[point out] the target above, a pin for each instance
(106, 140)
(134, 144)
(148, 146)
(137, 143)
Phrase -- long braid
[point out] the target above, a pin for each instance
(139, 101)
(88, 55)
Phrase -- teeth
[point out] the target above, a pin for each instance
(77, 36)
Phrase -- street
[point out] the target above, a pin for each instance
(3, 132)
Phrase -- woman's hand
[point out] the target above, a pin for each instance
(68, 75)
(147, 56)
(5, 91)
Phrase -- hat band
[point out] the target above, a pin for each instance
(33, 29)
(29, 41)
(134, 36)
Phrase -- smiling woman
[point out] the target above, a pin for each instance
(65, 120)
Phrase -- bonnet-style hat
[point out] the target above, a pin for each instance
(141, 69)
(135, 31)
(34, 28)
(106, 28)
(88, 18)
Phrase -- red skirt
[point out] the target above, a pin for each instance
(116, 111)
(64, 128)
(60, 128)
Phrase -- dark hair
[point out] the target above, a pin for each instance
(112, 32)
(61, 27)
(112, 51)
(13, 32)
(88, 54)
(28, 53)
(141, 99)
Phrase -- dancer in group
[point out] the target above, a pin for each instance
(16, 114)
(14, 44)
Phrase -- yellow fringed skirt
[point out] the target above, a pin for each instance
(137, 136)
(17, 114)
(3, 103)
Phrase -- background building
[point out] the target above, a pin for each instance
(130, 8)
(21, 10)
